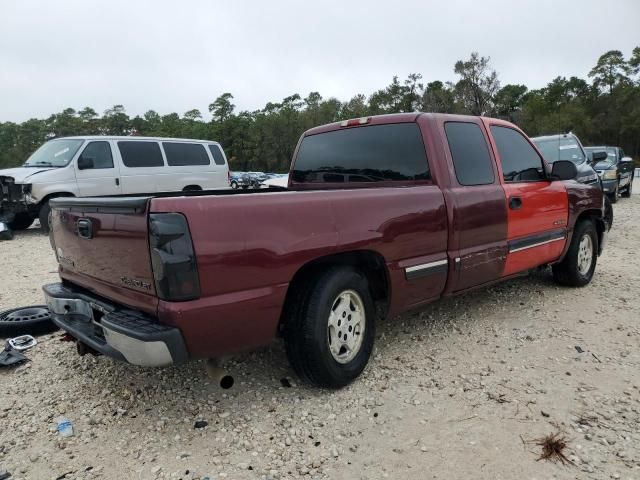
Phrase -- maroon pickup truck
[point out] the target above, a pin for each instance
(381, 215)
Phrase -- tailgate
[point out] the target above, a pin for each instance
(102, 245)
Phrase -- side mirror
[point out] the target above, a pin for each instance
(85, 163)
(599, 156)
(626, 159)
(564, 170)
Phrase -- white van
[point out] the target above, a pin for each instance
(91, 166)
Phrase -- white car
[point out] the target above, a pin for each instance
(104, 166)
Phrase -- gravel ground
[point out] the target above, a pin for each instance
(460, 390)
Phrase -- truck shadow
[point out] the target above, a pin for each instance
(266, 373)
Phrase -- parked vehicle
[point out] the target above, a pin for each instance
(451, 203)
(567, 146)
(616, 171)
(240, 180)
(106, 166)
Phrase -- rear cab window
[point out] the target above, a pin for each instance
(470, 154)
(359, 155)
(139, 154)
(185, 154)
(520, 161)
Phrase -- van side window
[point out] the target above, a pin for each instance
(470, 153)
(182, 154)
(99, 153)
(140, 154)
(218, 157)
(520, 162)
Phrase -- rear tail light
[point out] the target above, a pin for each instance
(172, 257)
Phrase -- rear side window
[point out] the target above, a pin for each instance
(363, 154)
(140, 154)
(182, 154)
(218, 157)
(520, 162)
(470, 153)
(99, 153)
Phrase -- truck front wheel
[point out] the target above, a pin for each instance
(43, 216)
(329, 335)
(579, 264)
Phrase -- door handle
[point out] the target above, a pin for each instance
(117, 181)
(515, 203)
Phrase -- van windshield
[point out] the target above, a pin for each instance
(54, 153)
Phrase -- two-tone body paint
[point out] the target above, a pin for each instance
(435, 238)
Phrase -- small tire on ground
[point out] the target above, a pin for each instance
(567, 272)
(306, 328)
(629, 190)
(234, 185)
(43, 216)
(21, 221)
(31, 320)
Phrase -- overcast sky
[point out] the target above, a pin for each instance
(172, 56)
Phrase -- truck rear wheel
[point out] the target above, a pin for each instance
(21, 221)
(579, 264)
(330, 332)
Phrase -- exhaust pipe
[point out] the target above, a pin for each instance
(218, 374)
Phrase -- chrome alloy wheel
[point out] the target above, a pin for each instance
(585, 254)
(345, 327)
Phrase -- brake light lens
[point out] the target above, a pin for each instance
(355, 121)
(173, 260)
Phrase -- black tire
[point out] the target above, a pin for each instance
(629, 190)
(31, 320)
(608, 212)
(568, 272)
(21, 221)
(234, 185)
(306, 332)
(616, 193)
(43, 216)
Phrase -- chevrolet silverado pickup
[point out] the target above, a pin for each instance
(381, 214)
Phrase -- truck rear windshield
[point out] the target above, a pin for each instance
(363, 154)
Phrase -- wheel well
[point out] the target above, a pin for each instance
(594, 216)
(192, 188)
(370, 263)
(54, 195)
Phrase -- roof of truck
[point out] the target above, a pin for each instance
(386, 119)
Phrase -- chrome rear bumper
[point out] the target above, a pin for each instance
(113, 330)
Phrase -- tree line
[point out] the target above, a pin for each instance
(602, 110)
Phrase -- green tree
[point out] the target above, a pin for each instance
(222, 108)
(477, 85)
(610, 70)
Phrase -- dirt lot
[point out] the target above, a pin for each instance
(461, 390)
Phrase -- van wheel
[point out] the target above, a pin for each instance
(43, 216)
(21, 221)
(579, 264)
(330, 331)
